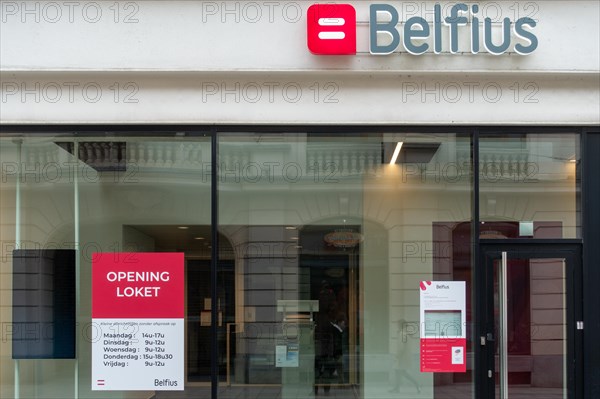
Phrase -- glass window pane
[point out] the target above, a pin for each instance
(536, 327)
(37, 207)
(153, 197)
(95, 194)
(322, 246)
(330, 243)
(529, 186)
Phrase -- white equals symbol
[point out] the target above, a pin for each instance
(331, 22)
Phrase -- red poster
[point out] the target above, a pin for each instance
(138, 320)
(137, 285)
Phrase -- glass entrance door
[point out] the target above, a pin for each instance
(532, 306)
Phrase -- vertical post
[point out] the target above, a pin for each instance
(19, 142)
(478, 286)
(214, 221)
(228, 352)
(587, 382)
(503, 344)
(475, 201)
(77, 263)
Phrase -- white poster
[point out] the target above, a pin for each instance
(443, 325)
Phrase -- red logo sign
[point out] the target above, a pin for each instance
(332, 29)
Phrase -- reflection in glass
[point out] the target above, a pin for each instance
(535, 328)
(330, 243)
(529, 186)
(322, 244)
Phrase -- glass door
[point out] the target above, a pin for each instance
(532, 311)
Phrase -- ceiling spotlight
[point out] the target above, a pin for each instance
(183, 227)
(198, 238)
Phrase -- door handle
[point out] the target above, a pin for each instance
(489, 337)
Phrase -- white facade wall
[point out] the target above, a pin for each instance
(244, 62)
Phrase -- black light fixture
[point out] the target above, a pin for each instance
(406, 152)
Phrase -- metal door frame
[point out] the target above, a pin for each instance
(571, 251)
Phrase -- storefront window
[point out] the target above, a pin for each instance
(529, 186)
(155, 199)
(91, 195)
(331, 240)
(325, 245)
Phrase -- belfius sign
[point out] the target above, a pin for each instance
(443, 326)
(138, 320)
(331, 30)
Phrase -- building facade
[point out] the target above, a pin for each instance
(304, 181)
